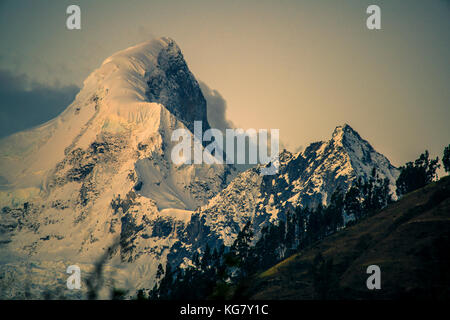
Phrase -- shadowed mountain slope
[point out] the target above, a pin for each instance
(408, 240)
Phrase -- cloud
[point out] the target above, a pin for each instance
(216, 108)
(25, 103)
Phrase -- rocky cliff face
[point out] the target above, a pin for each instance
(174, 86)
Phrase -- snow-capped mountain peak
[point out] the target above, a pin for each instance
(101, 170)
(305, 179)
(344, 131)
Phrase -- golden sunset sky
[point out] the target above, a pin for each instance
(303, 67)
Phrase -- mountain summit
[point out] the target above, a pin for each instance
(75, 184)
(304, 179)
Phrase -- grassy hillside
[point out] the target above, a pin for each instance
(409, 241)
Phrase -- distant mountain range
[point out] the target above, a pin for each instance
(101, 173)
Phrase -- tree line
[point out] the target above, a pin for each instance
(219, 273)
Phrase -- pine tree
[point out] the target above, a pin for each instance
(160, 271)
(353, 201)
(302, 222)
(333, 217)
(291, 224)
(417, 175)
(315, 226)
(375, 193)
(241, 247)
(446, 159)
(163, 292)
(196, 260)
(206, 259)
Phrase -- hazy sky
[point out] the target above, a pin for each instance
(301, 66)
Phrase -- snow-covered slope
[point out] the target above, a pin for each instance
(76, 184)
